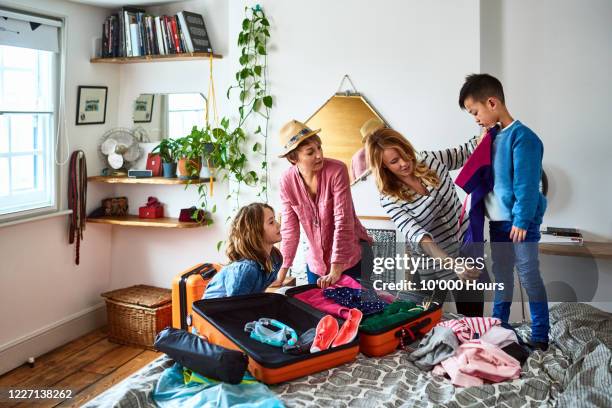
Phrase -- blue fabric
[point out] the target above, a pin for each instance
(517, 168)
(365, 300)
(241, 278)
(524, 255)
(172, 392)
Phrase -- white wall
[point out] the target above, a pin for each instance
(554, 59)
(39, 284)
(398, 56)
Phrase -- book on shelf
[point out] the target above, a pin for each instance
(132, 32)
(556, 235)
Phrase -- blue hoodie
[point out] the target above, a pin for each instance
(517, 171)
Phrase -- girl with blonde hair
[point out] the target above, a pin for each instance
(254, 259)
(418, 194)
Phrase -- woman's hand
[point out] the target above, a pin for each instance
(280, 278)
(332, 277)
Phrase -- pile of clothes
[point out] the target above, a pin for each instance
(471, 351)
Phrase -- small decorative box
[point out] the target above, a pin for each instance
(152, 209)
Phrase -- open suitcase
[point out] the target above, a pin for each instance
(222, 321)
(187, 287)
(382, 342)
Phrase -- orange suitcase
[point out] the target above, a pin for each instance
(382, 342)
(187, 287)
(222, 322)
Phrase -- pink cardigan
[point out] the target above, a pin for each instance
(330, 223)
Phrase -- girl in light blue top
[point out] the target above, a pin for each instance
(254, 259)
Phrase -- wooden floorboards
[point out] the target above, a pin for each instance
(88, 366)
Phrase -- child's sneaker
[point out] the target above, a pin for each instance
(349, 329)
(327, 330)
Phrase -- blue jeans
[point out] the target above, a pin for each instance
(524, 256)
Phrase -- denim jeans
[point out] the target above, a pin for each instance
(354, 272)
(524, 255)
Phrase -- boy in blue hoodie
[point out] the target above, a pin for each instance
(515, 206)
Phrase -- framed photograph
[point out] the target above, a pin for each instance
(143, 108)
(91, 105)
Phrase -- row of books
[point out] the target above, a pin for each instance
(555, 235)
(131, 32)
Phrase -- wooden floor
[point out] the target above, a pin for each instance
(88, 366)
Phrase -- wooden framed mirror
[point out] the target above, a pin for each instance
(340, 119)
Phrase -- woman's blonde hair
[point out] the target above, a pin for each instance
(386, 181)
(245, 239)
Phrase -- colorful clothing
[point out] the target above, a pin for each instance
(365, 300)
(437, 345)
(329, 220)
(241, 278)
(466, 327)
(393, 314)
(517, 169)
(476, 362)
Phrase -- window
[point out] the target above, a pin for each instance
(185, 111)
(26, 129)
(28, 91)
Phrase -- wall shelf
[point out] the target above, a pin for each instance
(600, 250)
(134, 221)
(144, 180)
(155, 58)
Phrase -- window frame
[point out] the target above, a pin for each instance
(54, 179)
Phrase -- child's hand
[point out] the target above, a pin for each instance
(482, 135)
(517, 234)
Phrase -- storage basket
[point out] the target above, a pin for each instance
(136, 314)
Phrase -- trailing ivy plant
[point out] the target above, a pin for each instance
(230, 145)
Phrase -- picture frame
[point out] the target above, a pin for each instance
(143, 108)
(91, 105)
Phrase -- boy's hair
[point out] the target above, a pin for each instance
(292, 156)
(386, 181)
(245, 239)
(480, 87)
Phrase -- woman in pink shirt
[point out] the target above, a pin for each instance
(315, 193)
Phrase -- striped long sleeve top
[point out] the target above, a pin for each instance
(436, 214)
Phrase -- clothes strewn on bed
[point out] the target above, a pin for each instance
(437, 345)
(171, 391)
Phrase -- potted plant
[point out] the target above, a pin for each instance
(167, 150)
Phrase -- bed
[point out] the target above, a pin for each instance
(575, 371)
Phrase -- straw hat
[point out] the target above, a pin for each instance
(371, 126)
(292, 134)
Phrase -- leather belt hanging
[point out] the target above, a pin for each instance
(77, 199)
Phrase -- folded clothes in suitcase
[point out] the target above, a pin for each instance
(187, 287)
(384, 340)
(223, 321)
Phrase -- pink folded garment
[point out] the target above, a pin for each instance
(314, 297)
(465, 328)
(476, 362)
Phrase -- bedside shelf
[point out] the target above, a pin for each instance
(145, 180)
(134, 221)
(155, 58)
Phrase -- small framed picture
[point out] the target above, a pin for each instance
(91, 105)
(143, 108)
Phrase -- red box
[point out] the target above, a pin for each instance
(150, 212)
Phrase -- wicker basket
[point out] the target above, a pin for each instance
(136, 314)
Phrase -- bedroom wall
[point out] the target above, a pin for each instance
(45, 299)
(554, 58)
(408, 58)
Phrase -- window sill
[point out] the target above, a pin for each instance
(34, 218)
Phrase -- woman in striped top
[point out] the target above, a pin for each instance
(418, 194)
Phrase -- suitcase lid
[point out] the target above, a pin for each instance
(141, 295)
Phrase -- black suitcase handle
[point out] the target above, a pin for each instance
(206, 271)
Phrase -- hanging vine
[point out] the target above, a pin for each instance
(253, 95)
